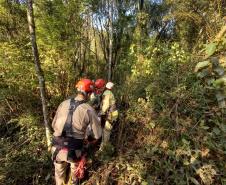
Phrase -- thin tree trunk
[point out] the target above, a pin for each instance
(95, 45)
(103, 41)
(110, 39)
(95, 42)
(39, 72)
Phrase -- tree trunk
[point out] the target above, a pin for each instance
(95, 45)
(39, 72)
(110, 39)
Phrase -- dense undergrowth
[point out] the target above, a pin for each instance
(170, 131)
(169, 71)
(174, 129)
(23, 153)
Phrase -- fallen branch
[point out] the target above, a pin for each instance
(7, 102)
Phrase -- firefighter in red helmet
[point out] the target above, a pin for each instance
(95, 98)
(70, 123)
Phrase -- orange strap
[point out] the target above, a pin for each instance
(80, 171)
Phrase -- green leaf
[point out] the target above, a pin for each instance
(210, 81)
(203, 73)
(211, 48)
(222, 104)
(224, 40)
(185, 162)
(154, 149)
(202, 65)
(215, 61)
(220, 96)
(223, 128)
(144, 183)
(151, 125)
(219, 71)
(194, 181)
(205, 127)
(216, 130)
(185, 141)
(220, 82)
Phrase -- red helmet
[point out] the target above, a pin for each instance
(100, 83)
(85, 85)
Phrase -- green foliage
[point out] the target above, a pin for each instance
(170, 85)
(210, 49)
(23, 151)
(213, 74)
(107, 153)
(13, 21)
(173, 111)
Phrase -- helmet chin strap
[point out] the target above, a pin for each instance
(86, 94)
(83, 93)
